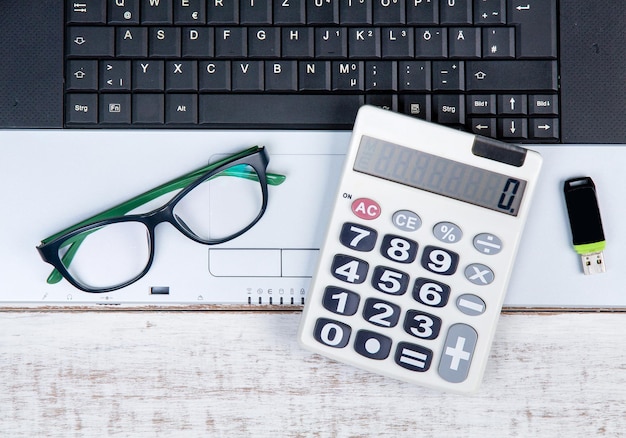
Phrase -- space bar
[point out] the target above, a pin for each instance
(278, 111)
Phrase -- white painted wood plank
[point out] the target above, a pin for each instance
(226, 374)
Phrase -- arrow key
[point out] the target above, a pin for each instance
(513, 129)
(544, 129)
(484, 126)
(513, 104)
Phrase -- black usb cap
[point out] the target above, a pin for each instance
(585, 223)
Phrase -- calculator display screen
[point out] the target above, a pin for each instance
(439, 175)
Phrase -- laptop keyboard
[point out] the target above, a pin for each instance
(486, 66)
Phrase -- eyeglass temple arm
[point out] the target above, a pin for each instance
(125, 207)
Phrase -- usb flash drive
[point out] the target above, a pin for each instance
(585, 223)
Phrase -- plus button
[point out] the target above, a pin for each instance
(457, 353)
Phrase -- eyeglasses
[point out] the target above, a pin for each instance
(113, 249)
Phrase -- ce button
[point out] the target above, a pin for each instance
(406, 220)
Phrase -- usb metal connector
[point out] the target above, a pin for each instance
(585, 223)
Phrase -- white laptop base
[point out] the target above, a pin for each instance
(54, 179)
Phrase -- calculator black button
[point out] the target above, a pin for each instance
(439, 260)
(341, 301)
(430, 292)
(332, 333)
(372, 345)
(381, 313)
(398, 249)
(358, 237)
(413, 357)
(390, 281)
(421, 324)
(349, 269)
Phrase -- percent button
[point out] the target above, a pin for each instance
(487, 243)
(447, 232)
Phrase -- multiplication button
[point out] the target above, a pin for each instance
(479, 274)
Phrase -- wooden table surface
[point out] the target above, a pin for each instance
(235, 373)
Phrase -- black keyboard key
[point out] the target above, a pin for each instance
(81, 109)
(511, 75)
(231, 42)
(543, 104)
(114, 109)
(513, 128)
(331, 42)
(271, 110)
(255, 12)
(490, 12)
(422, 12)
(347, 76)
(222, 12)
(123, 12)
(281, 76)
(431, 43)
(314, 76)
(398, 42)
(384, 101)
(381, 76)
(86, 11)
(498, 42)
(164, 42)
(449, 109)
(448, 75)
(465, 42)
(512, 104)
(114, 75)
(131, 42)
(364, 43)
(322, 11)
(485, 126)
(481, 104)
(545, 129)
(297, 42)
(456, 12)
(389, 12)
(181, 75)
(157, 12)
(414, 75)
(248, 76)
(214, 75)
(189, 11)
(538, 20)
(181, 109)
(289, 12)
(90, 42)
(355, 11)
(264, 42)
(198, 42)
(416, 105)
(148, 109)
(148, 75)
(81, 74)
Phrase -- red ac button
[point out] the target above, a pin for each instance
(365, 208)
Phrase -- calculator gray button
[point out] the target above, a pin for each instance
(488, 243)
(457, 353)
(471, 305)
(447, 232)
(479, 274)
(406, 220)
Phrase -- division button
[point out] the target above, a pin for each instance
(457, 353)
(488, 243)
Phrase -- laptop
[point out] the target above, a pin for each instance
(101, 101)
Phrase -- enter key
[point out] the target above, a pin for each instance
(536, 27)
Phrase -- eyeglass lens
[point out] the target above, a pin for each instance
(216, 209)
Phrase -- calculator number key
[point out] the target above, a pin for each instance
(349, 269)
(340, 301)
(431, 293)
(422, 325)
(358, 237)
(390, 281)
(439, 260)
(398, 249)
(332, 333)
(381, 313)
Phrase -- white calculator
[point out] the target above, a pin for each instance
(420, 247)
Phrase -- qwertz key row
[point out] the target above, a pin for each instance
(487, 66)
